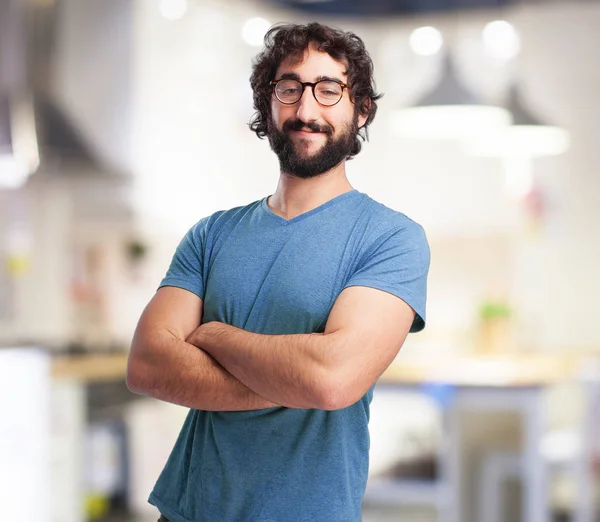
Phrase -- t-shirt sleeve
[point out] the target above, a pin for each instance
(187, 266)
(399, 263)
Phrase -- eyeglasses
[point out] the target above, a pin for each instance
(326, 92)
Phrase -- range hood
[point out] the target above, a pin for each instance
(34, 130)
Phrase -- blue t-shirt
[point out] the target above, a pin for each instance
(268, 275)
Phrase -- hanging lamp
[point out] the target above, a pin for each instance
(518, 144)
(448, 111)
(528, 136)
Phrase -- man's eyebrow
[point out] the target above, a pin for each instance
(329, 78)
(289, 76)
(294, 76)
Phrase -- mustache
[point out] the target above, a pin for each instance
(297, 125)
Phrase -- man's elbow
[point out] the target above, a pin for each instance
(136, 376)
(336, 395)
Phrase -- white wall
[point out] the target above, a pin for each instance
(557, 275)
(38, 308)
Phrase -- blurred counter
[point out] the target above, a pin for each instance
(506, 370)
(90, 368)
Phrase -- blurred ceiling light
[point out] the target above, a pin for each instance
(19, 155)
(518, 144)
(173, 9)
(449, 111)
(13, 173)
(426, 41)
(528, 136)
(501, 40)
(254, 31)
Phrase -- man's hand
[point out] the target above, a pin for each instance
(205, 333)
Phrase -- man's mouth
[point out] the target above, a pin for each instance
(299, 127)
(308, 131)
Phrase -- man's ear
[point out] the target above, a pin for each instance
(364, 112)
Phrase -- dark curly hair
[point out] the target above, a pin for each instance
(290, 41)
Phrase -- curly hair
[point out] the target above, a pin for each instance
(290, 41)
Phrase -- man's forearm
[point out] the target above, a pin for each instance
(180, 373)
(291, 370)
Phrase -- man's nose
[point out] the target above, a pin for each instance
(308, 107)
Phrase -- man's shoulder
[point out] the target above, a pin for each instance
(221, 217)
(389, 219)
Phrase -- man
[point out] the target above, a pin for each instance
(275, 319)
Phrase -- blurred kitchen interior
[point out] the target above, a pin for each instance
(123, 122)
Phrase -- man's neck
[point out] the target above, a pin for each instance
(295, 196)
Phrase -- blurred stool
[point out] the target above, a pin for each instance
(496, 468)
(575, 451)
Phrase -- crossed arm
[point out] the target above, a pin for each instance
(218, 367)
(164, 366)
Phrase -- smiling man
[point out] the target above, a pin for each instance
(275, 319)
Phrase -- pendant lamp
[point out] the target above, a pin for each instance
(449, 111)
(528, 136)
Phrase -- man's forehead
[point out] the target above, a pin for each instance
(312, 64)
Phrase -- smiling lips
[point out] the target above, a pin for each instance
(304, 132)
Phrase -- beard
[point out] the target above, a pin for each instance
(332, 152)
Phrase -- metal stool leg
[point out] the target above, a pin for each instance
(496, 468)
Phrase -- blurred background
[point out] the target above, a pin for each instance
(123, 122)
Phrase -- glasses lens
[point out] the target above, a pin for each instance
(328, 92)
(288, 91)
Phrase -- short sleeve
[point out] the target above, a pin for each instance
(187, 266)
(398, 263)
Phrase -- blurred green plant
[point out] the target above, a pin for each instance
(494, 310)
(136, 250)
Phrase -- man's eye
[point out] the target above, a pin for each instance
(290, 91)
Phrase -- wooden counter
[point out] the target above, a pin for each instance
(506, 370)
(90, 368)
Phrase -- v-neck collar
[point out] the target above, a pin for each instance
(300, 217)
